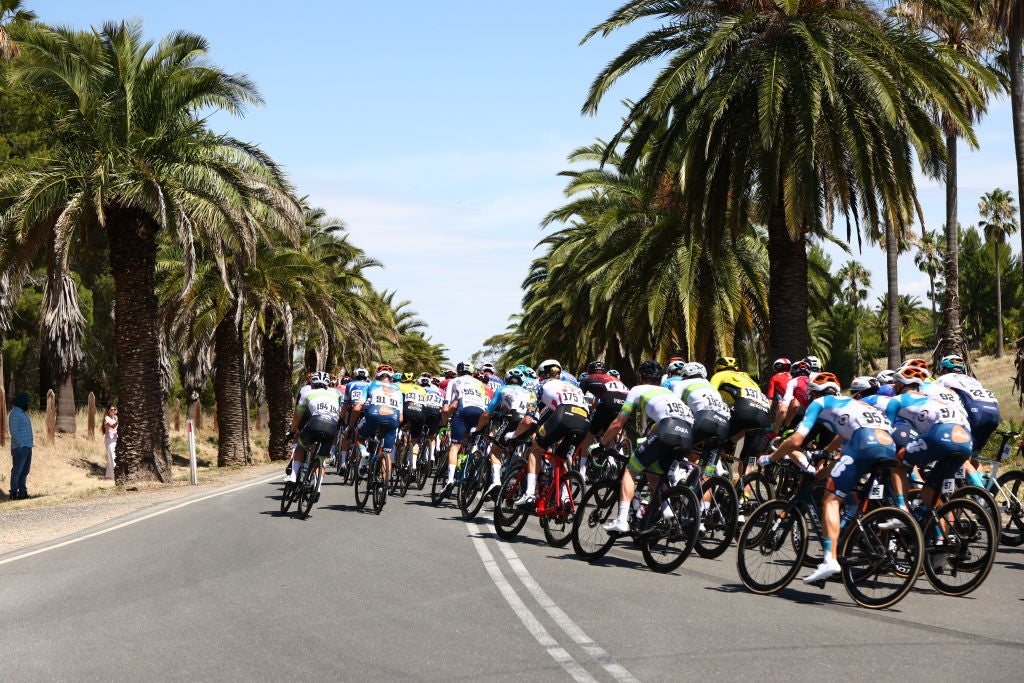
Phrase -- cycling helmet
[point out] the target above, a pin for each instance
(614, 373)
(885, 377)
(909, 375)
(489, 367)
(449, 373)
(345, 380)
(595, 366)
(695, 370)
(725, 363)
(651, 369)
(514, 376)
(465, 368)
(582, 376)
(953, 363)
(549, 368)
(675, 367)
(383, 371)
(859, 385)
(362, 373)
(813, 363)
(824, 383)
(435, 381)
(398, 377)
(424, 381)
(919, 363)
(781, 364)
(800, 369)
(319, 379)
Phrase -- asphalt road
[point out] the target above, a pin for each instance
(219, 587)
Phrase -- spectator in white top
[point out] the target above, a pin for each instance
(110, 439)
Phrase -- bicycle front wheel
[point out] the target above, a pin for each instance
(772, 547)
(669, 532)
(508, 519)
(379, 485)
(719, 518)
(423, 465)
(881, 557)
(362, 487)
(1010, 498)
(558, 526)
(310, 490)
(960, 546)
(598, 507)
(982, 498)
(474, 482)
(287, 496)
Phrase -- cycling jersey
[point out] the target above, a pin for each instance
(435, 399)
(384, 399)
(608, 395)
(494, 383)
(670, 381)
(510, 399)
(567, 376)
(467, 392)
(320, 403)
(553, 393)
(925, 412)
(656, 402)
(731, 384)
(797, 388)
(303, 390)
(777, 385)
(980, 404)
(415, 397)
(356, 392)
(598, 384)
(843, 416)
(699, 396)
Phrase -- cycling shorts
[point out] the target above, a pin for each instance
(902, 433)
(984, 420)
(710, 426)
(564, 421)
(463, 421)
(748, 415)
(431, 421)
(318, 429)
(414, 420)
(867, 447)
(671, 439)
(605, 411)
(387, 425)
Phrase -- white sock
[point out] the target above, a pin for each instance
(414, 456)
(495, 473)
(531, 484)
(344, 457)
(296, 467)
(623, 511)
(451, 474)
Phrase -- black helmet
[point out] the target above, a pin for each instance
(594, 367)
(465, 368)
(651, 369)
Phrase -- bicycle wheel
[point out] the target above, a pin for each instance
(423, 465)
(881, 565)
(310, 492)
(509, 520)
(598, 507)
(668, 532)
(772, 547)
(440, 479)
(1010, 499)
(719, 518)
(960, 546)
(474, 482)
(982, 498)
(380, 486)
(362, 487)
(558, 527)
(287, 496)
(404, 472)
(753, 490)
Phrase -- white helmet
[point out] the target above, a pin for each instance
(695, 370)
(676, 367)
(885, 377)
(863, 383)
(545, 368)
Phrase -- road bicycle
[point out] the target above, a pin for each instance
(477, 475)
(350, 469)
(1007, 490)
(663, 522)
(880, 552)
(305, 491)
(719, 503)
(373, 482)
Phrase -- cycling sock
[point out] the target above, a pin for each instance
(531, 484)
(974, 479)
(623, 511)
(344, 457)
(827, 542)
(495, 473)
(451, 474)
(415, 456)
(901, 502)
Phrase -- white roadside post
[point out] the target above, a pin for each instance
(193, 473)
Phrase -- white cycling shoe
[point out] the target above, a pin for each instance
(826, 569)
(617, 526)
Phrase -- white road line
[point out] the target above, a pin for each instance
(136, 521)
(571, 628)
(536, 629)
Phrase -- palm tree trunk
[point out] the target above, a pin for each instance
(857, 361)
(277, 381)
(952, 338)
(229, 388)
(1014, 44)
(935, 319)
(311, 359)
(141, 432)
(892, 248)
(1000, 352)
(787, 288)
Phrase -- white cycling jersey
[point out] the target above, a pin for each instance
(467, 391)
(699, 395)
(656, 403)
(555, 392)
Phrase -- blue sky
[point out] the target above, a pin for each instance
(436, 130)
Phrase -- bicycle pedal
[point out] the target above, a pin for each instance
(818, 584)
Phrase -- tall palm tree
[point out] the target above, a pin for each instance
(788, 114)
(997, 212)
(855, 279)
(11, 13)
(928, 259)
(134, 158)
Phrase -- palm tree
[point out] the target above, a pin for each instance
(997, 212)
(855, 279)
(928, 259)
(134, 159)
(11, 12)
(787, 114)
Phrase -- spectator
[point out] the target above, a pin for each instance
(21, 446)
(110, 439)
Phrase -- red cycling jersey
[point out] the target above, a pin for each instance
(777, 385)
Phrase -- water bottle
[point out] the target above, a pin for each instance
(635, 505)
(709, 468)
(644, 502)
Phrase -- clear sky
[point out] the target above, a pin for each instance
(436, 130)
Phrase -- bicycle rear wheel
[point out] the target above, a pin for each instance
(423, 465)
(668, 532)
(440, 480)
(362, 487)
(720, 518)
(509, 520)
(772, 547)
(982, 498)
(599, 506)
(380, 486)
(309, 492)
(880, 565)
(1010, 499)
(960, 548)
(474, 483)
(558, 527)
(287, 496)
(753, 490)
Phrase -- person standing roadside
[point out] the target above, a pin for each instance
(21, 445)
(110, 439)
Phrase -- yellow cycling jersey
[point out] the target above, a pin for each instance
(730, 384)
(414, 394)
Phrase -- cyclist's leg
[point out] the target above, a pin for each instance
(549, 433)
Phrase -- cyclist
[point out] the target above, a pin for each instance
(491, 378)
(796, 398)
(885, 382)
(981, 405)
(673, 374)
(711, 415)
(564, 414)
(319, 410)
(449, 375)
(381, 408)
(355, 392)
(945, 433)
(609, 395)
(465, 400)
(529, 377)
(751, 415)
(672, 433)
(777, 384)
(862, 435)
(413, 411)
(511, 408)
(433, 407)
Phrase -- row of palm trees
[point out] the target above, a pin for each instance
(766, 123)
(216, 260)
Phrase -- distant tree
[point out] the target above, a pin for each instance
(997, 211)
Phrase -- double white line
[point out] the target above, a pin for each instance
(478, 532)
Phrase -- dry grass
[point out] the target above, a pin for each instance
(73, 466)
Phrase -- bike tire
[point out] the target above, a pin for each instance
(754, 489)
(474, 482)
(287, 497)
(599, 506)
(1010, 499)
(558, 527)
(362, 487)
(440, 479)
(423, 465)
(509, 520)
(968, 549)
(772, 547)
(720, 518)
(380, 486)
(666, 542)
(880, 566)
(983, 498)
(307, 496)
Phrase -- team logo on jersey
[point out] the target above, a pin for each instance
(882, 437)
(960, 435)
